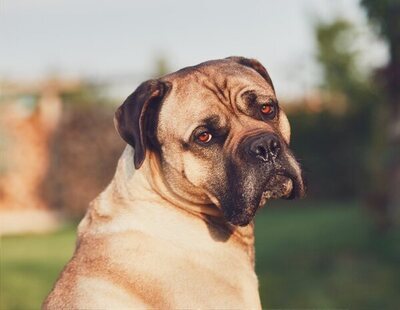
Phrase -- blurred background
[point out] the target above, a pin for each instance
(66, 65)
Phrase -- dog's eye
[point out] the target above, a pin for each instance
(204, 137)
(267, 109)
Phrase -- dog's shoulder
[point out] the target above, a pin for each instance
(105, 269)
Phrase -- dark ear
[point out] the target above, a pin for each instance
(254, 64)
(134, 118)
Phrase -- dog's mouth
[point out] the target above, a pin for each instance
(278, 186)
(282, 186)
(250, 190)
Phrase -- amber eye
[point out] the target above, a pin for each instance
(205, 137)
(267, 109)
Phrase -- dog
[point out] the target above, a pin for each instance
(207, 146)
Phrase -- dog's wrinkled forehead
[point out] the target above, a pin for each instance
(214, 87)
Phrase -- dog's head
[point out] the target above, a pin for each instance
(220, 135)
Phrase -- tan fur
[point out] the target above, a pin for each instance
(156, 237)
(221, 86)
(139, 250)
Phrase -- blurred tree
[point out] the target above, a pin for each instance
(88, 93)
(343, 83)
(385, 14)
(337, 57)
(362, 119)
(340, 167)
(162, 66)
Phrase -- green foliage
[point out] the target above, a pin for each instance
(385, 14)
(336, 143)
(162, 66)
(89, 94)
(331, 160)
(337, 56)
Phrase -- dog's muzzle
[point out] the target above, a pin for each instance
(284, 178)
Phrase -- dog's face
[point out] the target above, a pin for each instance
(220, 135)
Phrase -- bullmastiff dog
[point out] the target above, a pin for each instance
(208, 145)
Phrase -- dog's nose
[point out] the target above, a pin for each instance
(266, 147)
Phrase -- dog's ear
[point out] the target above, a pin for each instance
(135, 120)
(254, 64)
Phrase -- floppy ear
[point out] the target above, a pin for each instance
(254, 64)
(136, 117)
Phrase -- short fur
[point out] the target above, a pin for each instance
(174, 227)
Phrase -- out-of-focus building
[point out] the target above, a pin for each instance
(29, 117)
(58, 150)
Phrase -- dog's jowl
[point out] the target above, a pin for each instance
(207, 146)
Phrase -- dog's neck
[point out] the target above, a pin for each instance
(148, 183)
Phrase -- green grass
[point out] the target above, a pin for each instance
(29, 266)
(328, 257)
(307, 257)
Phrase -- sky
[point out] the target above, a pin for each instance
(120, 41)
